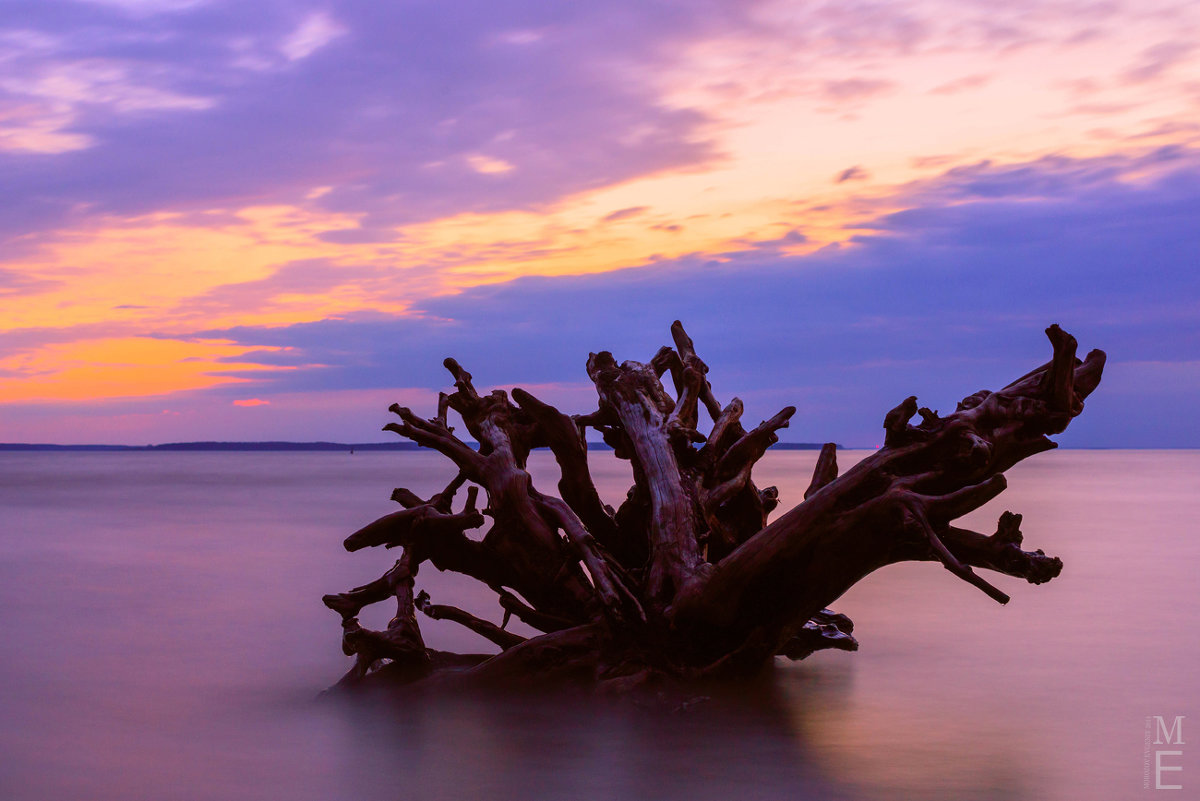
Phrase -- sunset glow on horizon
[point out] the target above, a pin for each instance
(239, 213)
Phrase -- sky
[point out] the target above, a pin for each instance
(271, 220)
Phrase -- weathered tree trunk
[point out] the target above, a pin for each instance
(687, 579)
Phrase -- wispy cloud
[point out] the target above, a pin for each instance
(315, 32)
(1009, 250)
(855, 88)
(220, 105)
(855, 173)
(311, 179)
(963, 84)
(1156, 60)
(625, 213)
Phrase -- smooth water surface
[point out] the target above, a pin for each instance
(164, 639)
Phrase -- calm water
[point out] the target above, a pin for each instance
(164, 639)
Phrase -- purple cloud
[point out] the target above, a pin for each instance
(407, 111)
(1156, 60)
(306, 277)
(855, 173)
(851, 89)
(13, 282)
(961, 84)
(624, 214)
(942, 299)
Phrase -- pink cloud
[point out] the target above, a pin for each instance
(851, 89)
(251, 402)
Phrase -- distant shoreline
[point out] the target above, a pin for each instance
(295, 446)
(334, 447)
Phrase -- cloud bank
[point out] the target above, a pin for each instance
(939, 300)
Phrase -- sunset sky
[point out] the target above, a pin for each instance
(269, 220)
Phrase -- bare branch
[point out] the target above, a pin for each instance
(826, 469)
(920, 521)
(611, 587)
(484, 628)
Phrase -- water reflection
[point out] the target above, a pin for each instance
(748, 742)
(905, 748)
(796, 733)
(164, 640)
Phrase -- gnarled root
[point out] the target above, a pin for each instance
(688, 578)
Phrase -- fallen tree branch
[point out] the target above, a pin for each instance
(688, 578)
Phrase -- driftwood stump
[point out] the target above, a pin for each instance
(687, 579)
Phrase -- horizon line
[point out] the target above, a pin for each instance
(326, 445)
(291, 445)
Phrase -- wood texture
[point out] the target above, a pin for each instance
(687, 578)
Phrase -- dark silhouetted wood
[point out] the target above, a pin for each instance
(687, 578)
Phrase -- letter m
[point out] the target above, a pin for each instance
(1174, 734)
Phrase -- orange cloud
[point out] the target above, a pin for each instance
(117, 368)
(789, 103)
